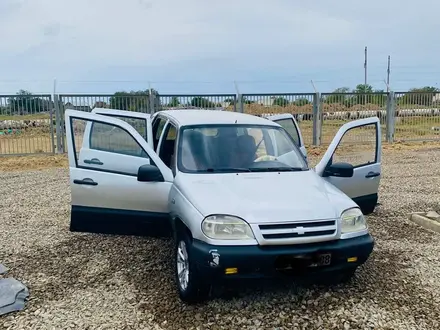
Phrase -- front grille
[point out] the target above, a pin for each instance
(298, 229)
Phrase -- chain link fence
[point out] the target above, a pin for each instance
(26, 124)
(339, 108)
(299, 105)
(416, 116)
(34, 124)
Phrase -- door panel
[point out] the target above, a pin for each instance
(131, 194)
(358, 143)
(100, 144)
(105, 194)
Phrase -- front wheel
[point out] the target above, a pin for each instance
(191, 285)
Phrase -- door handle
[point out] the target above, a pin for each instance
(93, 161)
(372, 174)
(87, 181)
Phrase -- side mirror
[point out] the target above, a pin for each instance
(149, 173)
(342, 170)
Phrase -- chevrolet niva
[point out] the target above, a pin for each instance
(234, 190)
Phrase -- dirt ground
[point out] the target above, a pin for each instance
(38, 162)
(89, 281)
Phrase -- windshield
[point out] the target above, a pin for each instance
(238, 148)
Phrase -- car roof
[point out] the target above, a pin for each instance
(206, 117)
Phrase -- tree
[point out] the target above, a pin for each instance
(201, 102)
(339, 95)
(135, 100)
(174, 102)
(25, 103)
(246, 101)
(280, 101)
(419, 96)
(301, 101)
(362, 90)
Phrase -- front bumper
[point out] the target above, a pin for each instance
(271, 261)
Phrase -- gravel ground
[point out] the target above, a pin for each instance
(87, 281)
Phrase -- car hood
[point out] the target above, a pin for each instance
(264, 197)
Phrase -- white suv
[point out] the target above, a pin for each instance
(235, 190)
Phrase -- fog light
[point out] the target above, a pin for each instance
(352, 259)
(229, 271)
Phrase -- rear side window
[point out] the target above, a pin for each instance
(290, 127)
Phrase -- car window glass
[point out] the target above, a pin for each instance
(158, 127)
(357, 146)
(260, 144)
(139, 124)
(110, 138)
(290, 127)
(167, 146)
(236, 146)
(107, 147)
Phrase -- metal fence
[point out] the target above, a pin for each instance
(31, 124)
(26, 124)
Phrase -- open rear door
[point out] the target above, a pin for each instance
(359, 144)
(289, 123)
(140, 121)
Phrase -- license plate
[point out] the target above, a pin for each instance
(324, 259)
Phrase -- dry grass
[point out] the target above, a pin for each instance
(26, 117)
(39, 162)
(27, 163)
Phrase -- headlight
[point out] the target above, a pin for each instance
(352, 221)
(226, 227)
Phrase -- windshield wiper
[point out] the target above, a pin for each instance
(228, 169)
(277, 169)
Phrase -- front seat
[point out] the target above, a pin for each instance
(245, 150)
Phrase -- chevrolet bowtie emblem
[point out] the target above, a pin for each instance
(299, 230)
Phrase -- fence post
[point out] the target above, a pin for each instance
(240, 103)
(58, 124)
(390, 117)
(317, 122)
(152, 101)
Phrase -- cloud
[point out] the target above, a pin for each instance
(157, 31)
(209, 40)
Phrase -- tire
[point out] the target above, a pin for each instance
(368, 209)
(192, 287)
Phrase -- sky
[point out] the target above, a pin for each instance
(199, 46)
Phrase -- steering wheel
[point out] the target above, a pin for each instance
(265, 158)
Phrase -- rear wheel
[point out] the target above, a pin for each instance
(191, 285)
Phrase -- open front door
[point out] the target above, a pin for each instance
(140, 121)
(359, 144)
(105, 154)
(289, 123)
